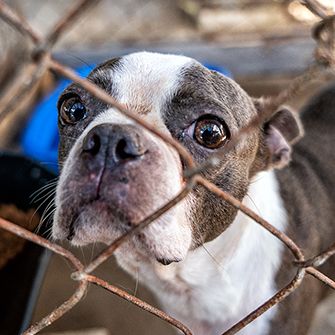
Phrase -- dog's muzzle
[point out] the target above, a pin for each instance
(115, 176)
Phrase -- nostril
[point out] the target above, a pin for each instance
(92, 144)
(127, 150)
(121, 150)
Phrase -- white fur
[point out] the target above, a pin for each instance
(145, 80)
(214, 288)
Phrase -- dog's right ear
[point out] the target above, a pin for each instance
(280, 132)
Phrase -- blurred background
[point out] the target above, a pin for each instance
(263, 44)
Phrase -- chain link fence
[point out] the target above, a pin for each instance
(42, 61)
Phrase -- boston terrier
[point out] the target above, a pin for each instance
(209, 264)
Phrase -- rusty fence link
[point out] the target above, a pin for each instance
(42, 61)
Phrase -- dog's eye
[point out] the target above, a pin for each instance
(72, 110)
(210, 132)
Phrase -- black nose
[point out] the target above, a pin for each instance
(119, 143)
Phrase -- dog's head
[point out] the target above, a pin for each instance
(115, 173)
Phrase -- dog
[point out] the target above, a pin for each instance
(209, 264)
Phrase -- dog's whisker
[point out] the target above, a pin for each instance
(44, 215)
(38, 208)
(47, 218)
(214, 260)
(92, 251)
(254, 203)
(52, 183)
(47, 233)
(83, 254)
(44, 196)
(48, 237)
(39, 197)
(79, 59)
(136, 282)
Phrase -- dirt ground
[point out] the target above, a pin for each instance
(101, 313)
(99, 308)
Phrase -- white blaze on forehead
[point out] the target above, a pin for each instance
(148, 79)
(145, 81)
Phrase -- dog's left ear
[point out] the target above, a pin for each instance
(280, 132)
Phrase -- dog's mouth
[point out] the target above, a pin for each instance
(99, 222)
(98, 205)
(84, 227)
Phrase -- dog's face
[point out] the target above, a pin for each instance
(115, 173)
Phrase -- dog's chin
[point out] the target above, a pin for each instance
(89, 223)
(162, 241)
(137, 247)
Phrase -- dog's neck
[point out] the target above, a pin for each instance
(230, 276)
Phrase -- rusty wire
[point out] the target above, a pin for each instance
(41, 61)
(315, 7)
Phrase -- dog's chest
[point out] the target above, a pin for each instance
(219, 284)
